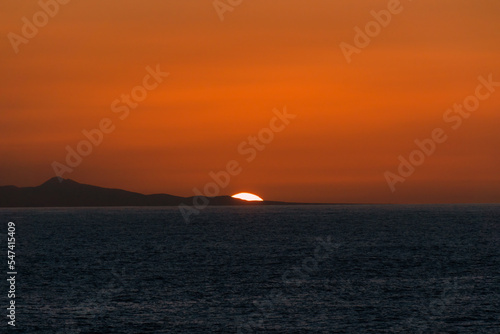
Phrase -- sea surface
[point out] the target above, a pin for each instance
(273, 269)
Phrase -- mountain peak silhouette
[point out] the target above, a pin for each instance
(55, 181)
(59, 192)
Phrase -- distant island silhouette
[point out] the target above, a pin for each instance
(58, 192)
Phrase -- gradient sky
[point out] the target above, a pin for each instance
(353, 120)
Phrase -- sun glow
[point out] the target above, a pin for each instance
(248, 197)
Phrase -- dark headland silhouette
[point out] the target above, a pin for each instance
(67, 193)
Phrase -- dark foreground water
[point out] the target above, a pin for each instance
(293, 269)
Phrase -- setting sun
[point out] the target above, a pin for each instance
(248, 197)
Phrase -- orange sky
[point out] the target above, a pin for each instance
(353, 120)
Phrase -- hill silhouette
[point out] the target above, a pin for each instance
(59, 192)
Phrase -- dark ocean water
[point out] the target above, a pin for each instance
(292, 269)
